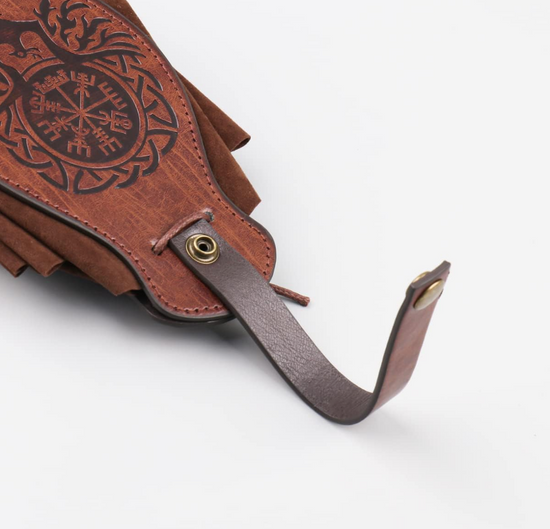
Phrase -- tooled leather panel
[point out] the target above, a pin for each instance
(95, 127)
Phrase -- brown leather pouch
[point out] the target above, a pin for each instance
(114, 167)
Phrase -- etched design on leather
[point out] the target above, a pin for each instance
(76, 105)
(82, 115)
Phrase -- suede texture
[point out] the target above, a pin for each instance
(29, 237)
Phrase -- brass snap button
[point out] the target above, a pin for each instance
(420, 276)
(202, 248)
(430, 295)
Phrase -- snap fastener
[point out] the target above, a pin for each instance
(430, 295)
(420, 276)
(202, 248)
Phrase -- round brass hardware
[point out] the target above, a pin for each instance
(420, 276)
(430, 295)
(202, 249)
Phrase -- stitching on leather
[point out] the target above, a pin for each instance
(203, 166)
(161, 245)
(120, 245)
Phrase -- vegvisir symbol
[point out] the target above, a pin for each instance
(78, 112)
(85, 116)
(86, 129)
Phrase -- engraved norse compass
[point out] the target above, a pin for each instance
(83, 115)
(79, 107)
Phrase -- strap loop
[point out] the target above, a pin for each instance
(162, 243)
(266, 318)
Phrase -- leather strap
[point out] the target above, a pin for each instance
(248, 295)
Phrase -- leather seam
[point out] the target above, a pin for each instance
(203, 166)
(112, 239)
(190, 123)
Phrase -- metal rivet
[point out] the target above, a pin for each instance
(202, 248)
(430, 295)
(420, 276)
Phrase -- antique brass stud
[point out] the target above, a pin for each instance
(202, 248)
(420, 276)
(430, 295)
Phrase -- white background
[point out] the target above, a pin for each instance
(387, 136)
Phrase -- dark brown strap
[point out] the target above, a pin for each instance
(248, 295)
